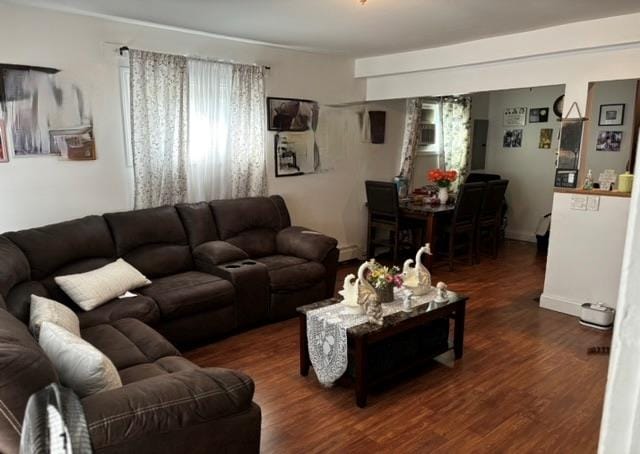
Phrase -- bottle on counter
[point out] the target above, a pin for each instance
(588, 181)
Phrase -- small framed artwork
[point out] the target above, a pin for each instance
(287, 114)
(4, 145)
(512, 138)
(611, 115)
(539, 115)
(609, 141)
(295, 154)
(515, 116)
(74, 144)
(546, 137)
(566, 178)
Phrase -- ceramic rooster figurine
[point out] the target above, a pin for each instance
(349, 294)
(367, 296)
(417, 278)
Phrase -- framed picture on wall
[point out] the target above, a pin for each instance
(570, 142)
(539, 115)
(4, 145)
(295, 154)
(546, 137)
(611, 115)
(512, 138)
(515, 116)
(609, 141)
(287, 114)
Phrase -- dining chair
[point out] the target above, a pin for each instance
(465, 219)
(491, 214)
(384, 214)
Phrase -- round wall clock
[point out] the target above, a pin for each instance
(558, 106)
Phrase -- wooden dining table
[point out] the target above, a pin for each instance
(430, 214)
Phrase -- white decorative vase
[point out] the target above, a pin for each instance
(443, 195)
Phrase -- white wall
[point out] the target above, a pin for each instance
(572, 55)
(611, 92)
(35, 191)
(530, 170)
(585, 254)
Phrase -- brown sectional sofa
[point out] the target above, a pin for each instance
(215, 268)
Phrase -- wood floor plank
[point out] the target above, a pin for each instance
(525, 384)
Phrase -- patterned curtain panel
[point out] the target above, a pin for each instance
(456, 139)
(159, 108)
(410, 137)
(248, 113)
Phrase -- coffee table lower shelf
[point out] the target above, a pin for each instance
(363, 339)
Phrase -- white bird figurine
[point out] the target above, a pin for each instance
(349, 295)
(367, 296)
(417, 278)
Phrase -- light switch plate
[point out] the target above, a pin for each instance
(593, 203)
(579, 202)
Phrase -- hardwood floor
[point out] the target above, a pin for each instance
(525, 384)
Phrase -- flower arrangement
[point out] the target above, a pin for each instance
(383, 277)
(443, 178)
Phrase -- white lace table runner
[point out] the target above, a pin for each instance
(327, 334)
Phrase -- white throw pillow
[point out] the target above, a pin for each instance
(80, 365)
(46, 310)
(91, 289)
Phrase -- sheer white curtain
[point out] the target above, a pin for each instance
(210, 154)
(226, 131)
(159, 111)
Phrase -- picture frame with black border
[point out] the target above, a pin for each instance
(611, 115)
(538, 115)
(291, 114)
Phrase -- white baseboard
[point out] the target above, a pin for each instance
(520, 235)
(558, 304)
(349, 252)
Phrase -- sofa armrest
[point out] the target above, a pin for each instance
(213, 253)
(304, 243)
(166, 403)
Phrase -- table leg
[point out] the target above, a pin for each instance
(361, 372)
(458, 330)
(431, 238)
(305, 361)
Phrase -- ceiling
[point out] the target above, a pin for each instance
(346, 26)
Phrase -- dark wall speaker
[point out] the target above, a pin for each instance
(377, 120)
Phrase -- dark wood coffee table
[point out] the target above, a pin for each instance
(361, 338)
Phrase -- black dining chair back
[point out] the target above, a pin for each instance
(382, 198)
(469, 202)
(465, 219)
(494, 199)
(491, 215)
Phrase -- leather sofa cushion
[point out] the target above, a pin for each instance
(305, 243)
(18, 301)
(152, 240)
(172, 403)
(162, 366)
(281, 206)
(238, 215)
(25, 370)
(214, 253)
(139, 307)
(255, 242)
(53, 246)
(189, 293)
(288, 273)
(129, 342)
(14, 267)
(197, 219)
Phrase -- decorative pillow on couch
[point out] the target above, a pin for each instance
(91, 289)
(46, 310)
(80, 365)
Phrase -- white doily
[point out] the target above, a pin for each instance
(327, 334)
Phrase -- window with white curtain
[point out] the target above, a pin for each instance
(429, 128)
